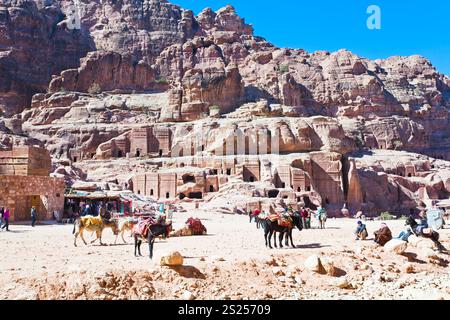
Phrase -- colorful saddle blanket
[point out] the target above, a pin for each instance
(143, 226)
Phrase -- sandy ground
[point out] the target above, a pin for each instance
(231, 262)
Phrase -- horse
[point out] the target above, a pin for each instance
(93, 224)
(150, 233)
(433, 235)
(271, 227)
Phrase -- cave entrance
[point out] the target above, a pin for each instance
(195, 195)
(188, 178)
(182, 196)
(211, 188)
(273, 193)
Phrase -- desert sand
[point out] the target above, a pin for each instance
(231, 262)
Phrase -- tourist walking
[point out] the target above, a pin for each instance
(2, 211)
(304, 215)
(33, 216)
(6, 215)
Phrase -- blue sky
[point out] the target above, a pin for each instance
(407, 27)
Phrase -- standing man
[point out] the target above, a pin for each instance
(6, 215)
(2, 211)
(33, 216)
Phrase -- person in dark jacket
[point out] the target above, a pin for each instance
(2, 211)
(361, 231)
(33, 216)
(383, 235)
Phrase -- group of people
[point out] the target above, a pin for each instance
(5, 215)
(384, 234)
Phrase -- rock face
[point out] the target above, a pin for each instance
(106, 71)
(145, 78)
(31, 33)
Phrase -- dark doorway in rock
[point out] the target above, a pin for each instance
(167, 195)
(188, 178)
(195, 195)
(273, 193)
(75, 159)
(138, 153)
(228, 172)
(119, 154)
(252, 179)
(215, 172)
(299, 189)
(151, 192)
(139, 191)
(308, 188)
(283, 185)
(182, 196)
(309, 204)
(211, 188)
(160, 152)
(409, 175)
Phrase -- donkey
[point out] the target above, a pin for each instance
(322, 217)
(93, 224)
(123, 226)
(152, 232)
(271, 227)
(433, 235)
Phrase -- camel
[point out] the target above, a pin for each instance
(93, 224)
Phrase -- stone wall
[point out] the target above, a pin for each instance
(25, 161)
(20, 193)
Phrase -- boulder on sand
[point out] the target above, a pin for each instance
(174, 259)
(328, 266)
(313, 264)
(396, 245)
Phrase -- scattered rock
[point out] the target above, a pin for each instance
(328, 266)
(173, 259)
(313, 264)
(341, 283)
(277, 271)
(408, 268)
(187, 295)
(396, 245)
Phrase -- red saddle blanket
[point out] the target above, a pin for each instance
(142, 227)
(282, 221)
(196, 226)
